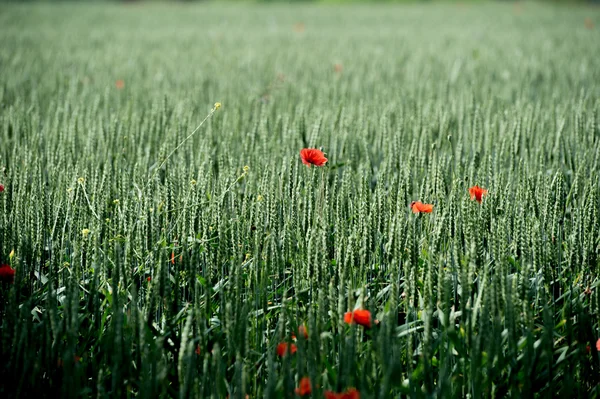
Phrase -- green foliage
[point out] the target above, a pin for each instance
(142, 276)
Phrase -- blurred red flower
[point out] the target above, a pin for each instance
(359, 316)
(598, 344)
(304, 388)
(7, 274)
(312, 156)
(1, 188)
(303, 331)
(351, 393)
(284, 348)
(477, 193)
(119, 84)
(419, 207)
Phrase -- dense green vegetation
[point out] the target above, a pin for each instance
(144, 275)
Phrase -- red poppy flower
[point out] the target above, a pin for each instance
(7, 274)
(304, 388)
(359, 316)
(149, 278)
(477, 193)
(419, 207)
(303, 331)
(1, 188)
(175, 243)
(598, 344)
(312, 156)
(351, 393)
(198, 350)
(284, 348)
(119, 84)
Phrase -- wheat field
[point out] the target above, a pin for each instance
(164, 245)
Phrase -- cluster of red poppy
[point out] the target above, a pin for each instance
(313, 156)
(361, 317)
(305, 388)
